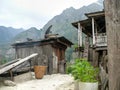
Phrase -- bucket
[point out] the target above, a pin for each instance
(39, 71)
(88, 86)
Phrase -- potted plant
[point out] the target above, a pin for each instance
(84, 74)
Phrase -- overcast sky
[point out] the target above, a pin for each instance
(34, 13)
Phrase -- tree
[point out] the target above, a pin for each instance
(112, 14)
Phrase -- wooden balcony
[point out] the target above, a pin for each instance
(101, 40)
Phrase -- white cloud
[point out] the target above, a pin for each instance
(28, 13)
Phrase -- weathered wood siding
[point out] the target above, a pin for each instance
(60, 53)
(48, 51)
(45, 56)
(22, 53)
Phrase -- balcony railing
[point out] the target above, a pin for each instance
(101, 40)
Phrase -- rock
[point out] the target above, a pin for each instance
(9, 83)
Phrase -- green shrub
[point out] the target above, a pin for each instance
(3, 60)
(68, 68)
(83, 71)
(75, 46)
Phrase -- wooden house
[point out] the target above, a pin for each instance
(95, 29)
(51, 52)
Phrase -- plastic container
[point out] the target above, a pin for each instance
(88, 86)
(39, 71)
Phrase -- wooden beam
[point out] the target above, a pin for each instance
(95, 14)
(63, 43)
(11, 62)
(96, 31)
(78, 34)
(102, 28)
(93, 30)
(17, 63)
(11, 74)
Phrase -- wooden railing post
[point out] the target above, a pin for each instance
(93, 30)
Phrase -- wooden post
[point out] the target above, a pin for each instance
(11, 74)
(93, 30)
(79, 35)
(112, 16)
(95, 58)
(79, 39)
(86, 48)
(96, 31)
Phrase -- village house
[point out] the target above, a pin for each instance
(29, 55)
(51, 53)
(95, 46)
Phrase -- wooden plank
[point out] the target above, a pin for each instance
(63, 43)
(17, 63)
(6, 64)
(95, 14)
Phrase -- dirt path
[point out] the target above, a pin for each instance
(49, 82)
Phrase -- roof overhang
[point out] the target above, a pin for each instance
(45, 41)
(95, 14)
(86, 24)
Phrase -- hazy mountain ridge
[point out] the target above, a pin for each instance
(10, 35)
(32, 33)
(7, 34)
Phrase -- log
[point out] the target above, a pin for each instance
(17, 63)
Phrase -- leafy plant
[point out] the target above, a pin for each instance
(75, 45)
(83, 71)
(69, 68)
(3, 61)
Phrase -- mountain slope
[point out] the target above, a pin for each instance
(31, 33)
(62, 23)
(10, 36)
(8, 33)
